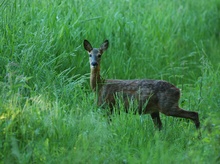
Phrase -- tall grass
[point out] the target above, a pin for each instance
(47, 110)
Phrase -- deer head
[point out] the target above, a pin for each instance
(95, 53)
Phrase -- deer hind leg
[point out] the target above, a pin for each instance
(169, 106)
(178, 112)
(156, 119)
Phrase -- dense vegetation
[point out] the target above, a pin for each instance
(47, 109)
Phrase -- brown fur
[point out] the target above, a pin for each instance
(152, 96)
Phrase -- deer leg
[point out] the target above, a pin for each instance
(178, 112)
(156, 119)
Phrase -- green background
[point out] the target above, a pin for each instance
(47, 109)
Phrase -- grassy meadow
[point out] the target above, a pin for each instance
(47, 109)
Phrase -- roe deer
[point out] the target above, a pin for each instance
(152, 96)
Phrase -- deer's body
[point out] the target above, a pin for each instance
(145, 92)
(151, 96)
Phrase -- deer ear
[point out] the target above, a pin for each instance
(104, 45)
(87, 45)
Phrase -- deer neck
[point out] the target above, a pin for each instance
(95, 79)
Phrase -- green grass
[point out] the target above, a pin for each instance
(47, 110)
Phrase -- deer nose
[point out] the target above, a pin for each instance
(94, 64)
